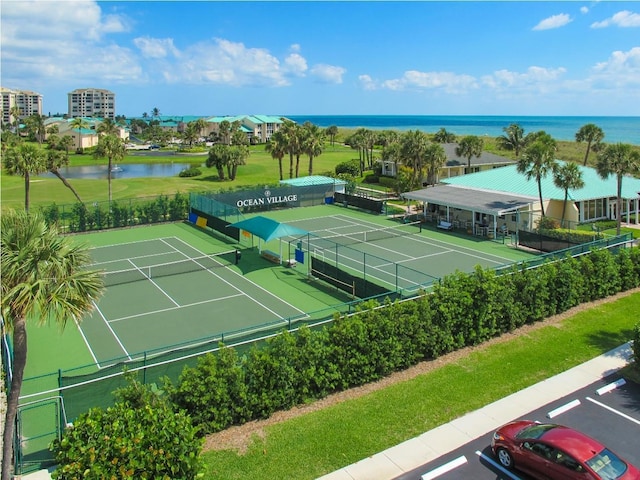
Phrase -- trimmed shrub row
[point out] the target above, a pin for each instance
(464, 309)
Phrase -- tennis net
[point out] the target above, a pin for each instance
(205, 262)
(368, 235)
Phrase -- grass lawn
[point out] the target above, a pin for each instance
(317, 443)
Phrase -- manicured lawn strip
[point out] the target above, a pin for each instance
(318, 443)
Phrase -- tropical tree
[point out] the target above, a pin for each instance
(155, 112)
(65, 143)
(290, 131)
(619, 160)
(513, 139)
(413, 148)
(568, 177)
(331, 132)
(108, 127)
(78, 124)
(56, 159)
(470, 146)
(538, 160)
(200, 125)
(442, 136)
(434, 158)
(218, 158)
(313, 138)
(113, 149)
(277, 148)
(237, 155)
(35, 126)
(224, 131)
(593, 135)
(190, 133)
(387, 137)
(15, 113)
(44, 277)
(25, 159)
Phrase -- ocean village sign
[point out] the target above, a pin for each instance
(266, 199)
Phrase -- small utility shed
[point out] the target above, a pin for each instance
(332, 184)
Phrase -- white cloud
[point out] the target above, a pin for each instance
(535, 77)
(296, 64)
(328, 73)
(625, 18)
(156, 47)
(446, 81)
(622, 69)
(555, 21)
(367, 82)
(584, 10)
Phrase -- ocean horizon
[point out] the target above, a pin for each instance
(616, 129)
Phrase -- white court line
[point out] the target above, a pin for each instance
(612, 386)
(155, 284)
(97, 264)
(113, 333)
(564, 408)
(497, 465)
(447, 467)
(613, 410)
(86, 342)
(144, 314)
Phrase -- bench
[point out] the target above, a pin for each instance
(271, 256)
(445, 225)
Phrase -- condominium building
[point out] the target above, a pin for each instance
(92, 102)
(26, 102)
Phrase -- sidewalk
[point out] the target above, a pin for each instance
(430, 445)
(411, 454)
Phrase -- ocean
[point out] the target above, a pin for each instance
(616, 129)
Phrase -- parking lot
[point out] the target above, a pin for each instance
(607, 410)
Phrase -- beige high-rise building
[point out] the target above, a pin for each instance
(92, 102)
(26, 101)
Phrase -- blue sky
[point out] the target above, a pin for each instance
(297, 58)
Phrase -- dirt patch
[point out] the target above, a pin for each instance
(239, 438)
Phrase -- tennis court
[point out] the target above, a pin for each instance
(165, 292)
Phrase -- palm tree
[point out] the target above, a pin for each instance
(277, 148)
(108, 127)
(592, 134)
(238, 155)
(25, 159)
(15, 112)
(413, 147)
(66, 142)
(55, 160)
(200, 125)
(155, 112)
(43, 277)
(218, 157)
(224, 130)
(290, 133)
(442, 136)
(331, 132)
(191, 133)
(619, 160)
(538, 160)
(568, 177)
(435, 158)
(113, 148)
(470, 146)
(79, 123)
(36, 126)
(513, 139)
(313, 142)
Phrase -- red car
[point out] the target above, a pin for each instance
(554, 452)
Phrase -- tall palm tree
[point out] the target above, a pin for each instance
(108, 127)
(442, 136)
(619, 160)
(413, 148)
(113, 149)
(78, 124)
(55, 160)
(331, 132)
(44, 277)
(25, 159)
(538, 160)
(155, 112)
(470, 146)
(36, 127)
(277, 148)
(200, 125)
(15, 113)
(434, 157)
(313, 142)
(568, 177)
(513, 139)
(592, 134)
(290, 133)
(224, 130)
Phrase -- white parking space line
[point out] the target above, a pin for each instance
(613, 410)
(611, 386)
(497, 465)
(564, 408)
(447, 467)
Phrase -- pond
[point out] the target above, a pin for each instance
(129, 170)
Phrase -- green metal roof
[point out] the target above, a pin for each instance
(508, 180)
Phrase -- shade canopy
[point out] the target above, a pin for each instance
(268, 229)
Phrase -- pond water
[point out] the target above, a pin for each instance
(130, 170)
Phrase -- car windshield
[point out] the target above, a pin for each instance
(607, 465)
(534, 431)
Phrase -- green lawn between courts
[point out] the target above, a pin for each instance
(321, 442)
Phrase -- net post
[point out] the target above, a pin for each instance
(144, 370)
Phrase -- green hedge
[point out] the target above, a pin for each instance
(463, 309)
